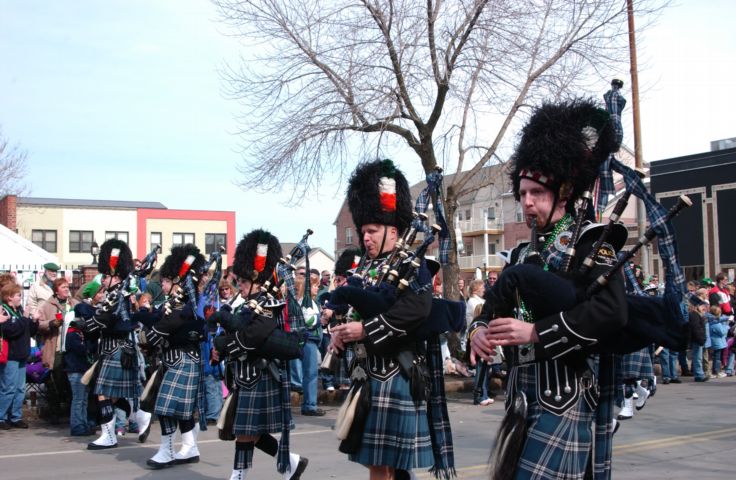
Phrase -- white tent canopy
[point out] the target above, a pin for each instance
(17, 253)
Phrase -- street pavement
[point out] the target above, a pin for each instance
(685, 431)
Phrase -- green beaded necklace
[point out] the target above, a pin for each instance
(563, 224)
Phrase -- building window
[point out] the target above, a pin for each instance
(519, 214)
(348, 236)
(468, 244)
(155, 240)
(117, 235)
(467, 215)
(491, 213)
(491, 248)
(460, 215)
(181, 239)
(45, 239)
(213, 240)
(80, 241)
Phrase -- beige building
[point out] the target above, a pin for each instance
(68, 228)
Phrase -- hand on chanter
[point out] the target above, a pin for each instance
(480, 346)
(507, 331)
(346, 333)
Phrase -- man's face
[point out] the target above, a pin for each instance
(373, 238)
(50, 274)
(538, 201)
(492, 279)
(340, 280)
(244, 285)
(325, 278)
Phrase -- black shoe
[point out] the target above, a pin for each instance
(675, 380)
(211, 421)
(182, 461)
(5, 426)
(154, 465)
(701, 379)
(314, 413)
(143, 436)
(300, 467)
(666, 381)
(94, 446)
(19, 424)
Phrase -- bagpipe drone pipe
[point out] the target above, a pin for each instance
(657, 320)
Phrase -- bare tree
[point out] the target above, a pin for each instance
(12, 168)
(320, 80)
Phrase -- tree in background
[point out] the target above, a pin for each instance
(325, 84)
(12, 168)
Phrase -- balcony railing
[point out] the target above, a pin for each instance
(476, 224)
(472, 261)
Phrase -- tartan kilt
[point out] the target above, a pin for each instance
(396, 431)
(556, 446)
(179, 390)
(115, 381)
(259, 407)
(637, 365)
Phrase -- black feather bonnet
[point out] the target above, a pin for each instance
(379, 193)
(181, 260)
(562, 147)
(256, 256)
(115, 258)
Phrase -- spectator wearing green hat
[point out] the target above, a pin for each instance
(41, 290)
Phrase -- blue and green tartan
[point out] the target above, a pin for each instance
(178, 396)
(396, 430)
(114, 381)
(259, 408)
(434, 188)
(556, 446)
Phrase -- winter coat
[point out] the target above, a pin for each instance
(49, 330)
(697, 328)
(718, 331)
(17, 331)
(76, 357)
(39, 292)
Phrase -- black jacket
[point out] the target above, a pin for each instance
(18, 331)
(697, 328)
(76, 357)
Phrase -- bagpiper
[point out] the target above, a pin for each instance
(391, 389)
(117, 371)
(553, 391)
(256, 361)
(175, 331)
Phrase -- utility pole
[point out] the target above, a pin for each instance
(640, 213)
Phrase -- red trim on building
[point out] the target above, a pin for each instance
(145, 214)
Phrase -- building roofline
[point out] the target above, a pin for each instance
(77, 202)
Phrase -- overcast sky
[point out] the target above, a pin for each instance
(121, 100)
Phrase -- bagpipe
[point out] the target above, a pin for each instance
(259, 327)
(651, 319)
(117, 297)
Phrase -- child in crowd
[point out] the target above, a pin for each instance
(16, 330)
(718, 325)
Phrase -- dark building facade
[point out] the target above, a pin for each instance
(706, 232)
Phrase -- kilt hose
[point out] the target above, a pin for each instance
(181, 388)
(114, 381)
(557, 446)
(259, 407)
(396, 430)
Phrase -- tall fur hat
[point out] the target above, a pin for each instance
(256, 256)
(562, 147)
(115, 258)
(181, 260)
(347, 260)
(379, 193)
